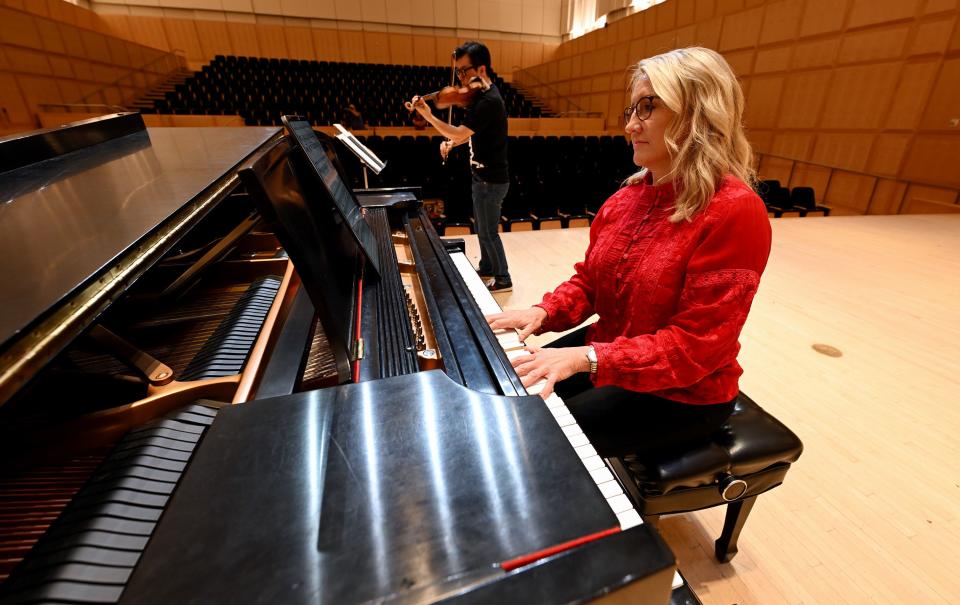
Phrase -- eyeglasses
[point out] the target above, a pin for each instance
(462, 71)
(643, 108)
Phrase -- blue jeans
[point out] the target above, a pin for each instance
(487, 200)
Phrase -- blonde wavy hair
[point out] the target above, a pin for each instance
(705, 139)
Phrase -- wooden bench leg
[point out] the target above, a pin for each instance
(726, 545)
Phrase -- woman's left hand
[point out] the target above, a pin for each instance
(552, 365)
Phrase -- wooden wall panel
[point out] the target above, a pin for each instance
(182, 35)
(39, 89)
(803, 96)
(148, 31)
(424, 50)
(741, 30)
(933, 159)
(887, 197)
(932, 37)
(888, 153)
(351, 46)
(763, 102)
(29, 61)
(849, 190)
(376, 47)
(944, 102)
(72, 40)
(401, 49)
(214, 38)
(823, 16)
(816, 53)
(19, 28)
(843, 150)
(50, 35)
(326, 43)
(271, 41)
(929, 200)
(807, 175)
(775, 168)
(872, 12)
(910, 98)
(13, 109)
(243, 39)
(797, 145)
(773, 59)
(781, 21)
(858, 97)
(883, 43)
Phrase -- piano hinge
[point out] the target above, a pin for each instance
(358, 349)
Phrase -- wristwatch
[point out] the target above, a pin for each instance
(592, 358)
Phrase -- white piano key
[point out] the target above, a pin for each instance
(572, 429)
(553, 401)
(578, 440)
(593, 463)
(609, 489)
(620, 503)
(602, 475)
(535, 388)
(565, 419)
(585, 451)
(631, 518)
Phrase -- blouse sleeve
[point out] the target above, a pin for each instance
(701, 337)
(572, 301)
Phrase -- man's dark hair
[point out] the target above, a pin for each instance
(478, 53)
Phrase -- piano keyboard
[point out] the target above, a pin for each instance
(619, 503)
(604, 479)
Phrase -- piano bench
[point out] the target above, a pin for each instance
(747, 456)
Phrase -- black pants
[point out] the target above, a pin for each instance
(619, 421)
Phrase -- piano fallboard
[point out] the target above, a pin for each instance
(410, 488)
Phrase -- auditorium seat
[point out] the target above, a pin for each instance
(806, 199)
(749, 455)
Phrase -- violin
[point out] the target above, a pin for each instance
(450, 96)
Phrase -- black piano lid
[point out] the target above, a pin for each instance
(412, 486)
(65, 219)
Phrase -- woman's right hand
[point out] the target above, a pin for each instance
(526, 322)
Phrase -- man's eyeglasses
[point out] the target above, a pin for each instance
(462, 71)
(643, 108)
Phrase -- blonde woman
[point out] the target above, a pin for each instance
(673, 263)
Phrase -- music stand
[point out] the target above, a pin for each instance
(368, 158)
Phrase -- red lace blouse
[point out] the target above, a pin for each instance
(671, 297)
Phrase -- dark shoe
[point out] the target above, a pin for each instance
(484, 274)
(499, 285)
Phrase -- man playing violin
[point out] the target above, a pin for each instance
(485, 130)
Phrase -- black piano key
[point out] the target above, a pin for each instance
(79, 554)
(87, 573)
(68, 592)
(164, 464)
(108, 525)
(153, 450)
(115, 509)
(123, 496)
(176, 425)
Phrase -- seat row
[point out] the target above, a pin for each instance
(782, 200)
(554, 181)
(261, 90)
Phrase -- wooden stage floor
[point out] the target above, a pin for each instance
(871, 511)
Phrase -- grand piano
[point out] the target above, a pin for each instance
(226, 376)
